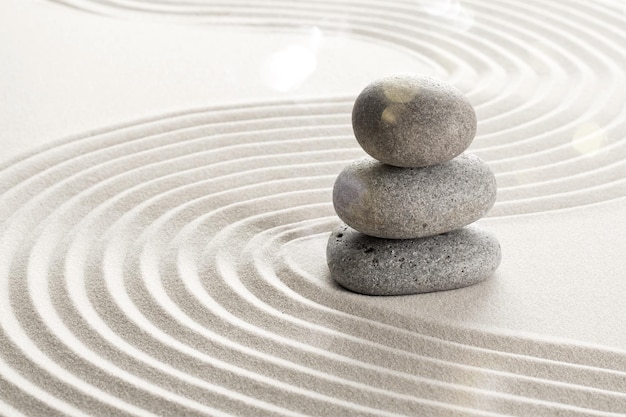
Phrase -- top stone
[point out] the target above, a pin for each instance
(413, 121)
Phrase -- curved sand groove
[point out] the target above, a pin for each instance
(551, 110)
(244, 274)
(174, 266)
(146, 274)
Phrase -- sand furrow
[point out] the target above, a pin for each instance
(175, 265)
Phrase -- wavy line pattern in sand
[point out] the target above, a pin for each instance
(548, 91)
(148, 269)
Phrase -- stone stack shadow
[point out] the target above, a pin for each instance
(408, 208)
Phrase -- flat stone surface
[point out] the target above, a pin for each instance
(374, 266)
(411, 120)
(404, 203)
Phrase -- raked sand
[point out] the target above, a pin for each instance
(165, 255)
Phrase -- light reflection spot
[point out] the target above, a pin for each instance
(400, 92)
(289, 67)
(588, 138)
(389, 115)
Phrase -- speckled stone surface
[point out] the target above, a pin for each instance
(373, 266)
(409, 120)
(404, 203)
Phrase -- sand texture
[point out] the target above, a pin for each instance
(163, 231)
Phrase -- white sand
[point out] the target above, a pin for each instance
(165, 204)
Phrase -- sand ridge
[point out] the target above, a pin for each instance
(174, 265)
(152, 258)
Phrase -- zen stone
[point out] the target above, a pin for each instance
(404, 203)
(374, 266)
(413, 121)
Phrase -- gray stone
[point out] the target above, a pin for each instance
(412, 121)
(374, 266)
(404, 203)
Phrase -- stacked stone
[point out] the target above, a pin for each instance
(407, 207)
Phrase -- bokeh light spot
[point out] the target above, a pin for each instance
(588, 138)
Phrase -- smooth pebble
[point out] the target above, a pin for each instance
(374, 266)
(405, 203)
(410, 120)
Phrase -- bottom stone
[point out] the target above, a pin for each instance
(375, 266)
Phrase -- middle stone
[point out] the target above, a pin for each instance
(404, 203)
